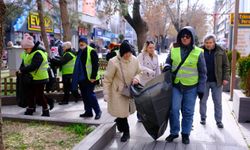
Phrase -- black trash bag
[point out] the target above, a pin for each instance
(153, 103)
(51, 85)
(21, 91)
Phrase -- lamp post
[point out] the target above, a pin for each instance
(235, 37)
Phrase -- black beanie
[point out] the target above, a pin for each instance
(125, 47)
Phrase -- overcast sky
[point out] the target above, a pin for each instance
(209, 4)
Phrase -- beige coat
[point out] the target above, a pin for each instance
(149, 66)
(119, 105)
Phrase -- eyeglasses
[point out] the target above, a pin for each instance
(186, 36)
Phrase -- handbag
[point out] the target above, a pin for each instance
(126, 90)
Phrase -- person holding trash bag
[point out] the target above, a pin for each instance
(189, 78)
(34, 65)
(121, 72)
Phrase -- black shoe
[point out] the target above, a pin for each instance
(203, 121)
(45, 113)
(86, 115)
(63, 103)
(171, 137)
(125, 137)
(29, 111)
(185, 139)
(220, 125)
(51, 102)
(98, 116)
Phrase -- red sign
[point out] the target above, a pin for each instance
(82, 31)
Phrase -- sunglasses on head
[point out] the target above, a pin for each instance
(186, 36)
(149, 42)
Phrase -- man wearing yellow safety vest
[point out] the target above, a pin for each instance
(66, 63)
(188, 82)
(86, 75)
(34, 65)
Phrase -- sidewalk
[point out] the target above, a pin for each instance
(207, 137)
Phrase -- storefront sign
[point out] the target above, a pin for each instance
(244, 19)
(243, 44)
(34, 22)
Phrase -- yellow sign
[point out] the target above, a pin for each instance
(244, 19)
(34, 22)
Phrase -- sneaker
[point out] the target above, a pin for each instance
(220, 125)
(185, 139)
(171, 137)
(203, 121)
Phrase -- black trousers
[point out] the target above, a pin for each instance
(66, 89)
(36, 94)
(122, 124)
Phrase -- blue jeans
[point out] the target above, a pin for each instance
(183, 100)
(89, 98)
(216, 95)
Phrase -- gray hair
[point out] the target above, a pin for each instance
(66, 45)
(209, 36)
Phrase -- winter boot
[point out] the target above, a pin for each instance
(29, 111)
(45, 113)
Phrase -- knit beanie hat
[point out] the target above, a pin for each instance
(125, 47)
(83, 39)
(28, 41)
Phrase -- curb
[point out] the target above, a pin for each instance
(11, 100)
(99, 138)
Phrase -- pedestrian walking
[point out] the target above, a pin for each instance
(86, 75)
(121, 72)
(34, 66)
(189, 77)
(66, 64)
(217, 77)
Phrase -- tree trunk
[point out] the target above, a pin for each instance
(137, 22)
(65, 20)
(2, 14)
(43, 30)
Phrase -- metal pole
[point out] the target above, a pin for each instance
(235, 37)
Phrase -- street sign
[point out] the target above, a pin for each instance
(244, 19)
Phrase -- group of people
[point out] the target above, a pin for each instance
(79, 69)
(195, 71)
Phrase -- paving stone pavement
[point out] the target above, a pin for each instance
(207, 137)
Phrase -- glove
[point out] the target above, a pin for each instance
(166, 68)
(200, 95)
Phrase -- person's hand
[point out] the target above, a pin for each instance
(92, 80)
(135, 81)
(225, 82)
(200, 95)
(166, 68)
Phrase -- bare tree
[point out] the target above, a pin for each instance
(2, 14)
(65, 20)
(136, 21)
(42, 25)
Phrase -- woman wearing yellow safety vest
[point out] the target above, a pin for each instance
(188, 82)
(67, 63)
(35, 64)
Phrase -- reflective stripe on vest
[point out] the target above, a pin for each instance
(42, 72)
(89, 64)
(68, 68)
(188, 72)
